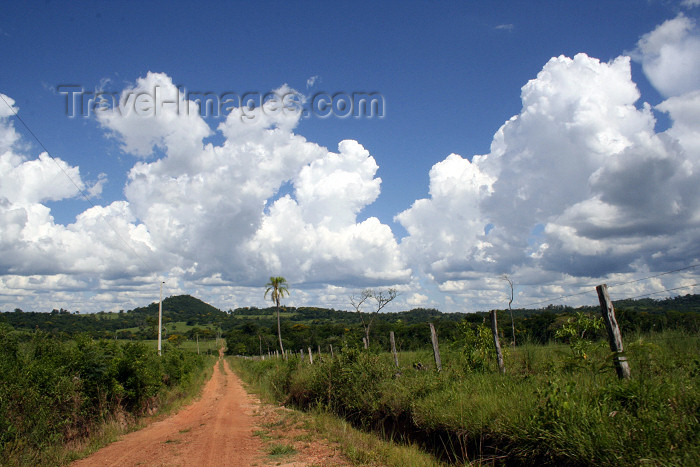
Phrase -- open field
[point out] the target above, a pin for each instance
(208, 347)
(177, 327)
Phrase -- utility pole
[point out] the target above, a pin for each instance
(160, 314)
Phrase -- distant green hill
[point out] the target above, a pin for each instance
(184, 308)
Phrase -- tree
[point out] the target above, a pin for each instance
(176, 339)
(510, 302)
(381, 298)
(277, 287)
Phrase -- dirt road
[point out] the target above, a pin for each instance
(216, 430)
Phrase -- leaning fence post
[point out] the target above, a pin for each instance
(393, 348)
(614, 335)
(311, 357)
(436, 348)
(496, 341)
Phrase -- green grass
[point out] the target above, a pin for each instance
(283, 314)
(174, 327)
(365, 448)
(280, 450)
(551, 408)
(205, 346)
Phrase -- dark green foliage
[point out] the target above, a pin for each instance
(52, 391)
(251, 331)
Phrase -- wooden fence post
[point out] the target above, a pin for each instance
(331, 346)
(393, 348)
(319, 353)
(436, 348)
(311, 357)
(497, 341)
(614, 335)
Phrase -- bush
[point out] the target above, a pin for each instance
(54, 391)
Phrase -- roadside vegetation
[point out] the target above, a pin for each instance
(56, 395)
(68, 380)
(283, 426)
(558, 404)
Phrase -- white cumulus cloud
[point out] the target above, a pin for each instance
(670, 56)
(213, 215)
(578, 184)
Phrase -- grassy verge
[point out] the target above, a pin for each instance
(557, 405)
(358, 447)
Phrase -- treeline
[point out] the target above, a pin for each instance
(251, 330)
(54, 392)
(254, 336)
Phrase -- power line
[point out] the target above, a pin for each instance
(654, 293)
(77, 187)
(655, 275)
(554, 299)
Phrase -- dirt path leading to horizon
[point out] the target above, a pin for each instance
(216, 430)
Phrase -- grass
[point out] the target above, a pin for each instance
(365, 448)
(206, 347)
(283, 314)
(175, 327)
(357, 446)
(279, 450)
(552, 407)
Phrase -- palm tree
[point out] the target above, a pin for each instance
(277, 287)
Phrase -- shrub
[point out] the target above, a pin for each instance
(54, 391)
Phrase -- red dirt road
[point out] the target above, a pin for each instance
(216, 430)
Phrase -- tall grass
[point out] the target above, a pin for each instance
(553, 407)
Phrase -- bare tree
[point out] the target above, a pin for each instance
(380, 298)
(357, 302)
(510, 302)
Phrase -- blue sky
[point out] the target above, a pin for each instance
(451, 74)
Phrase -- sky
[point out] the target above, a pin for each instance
(430, 147)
